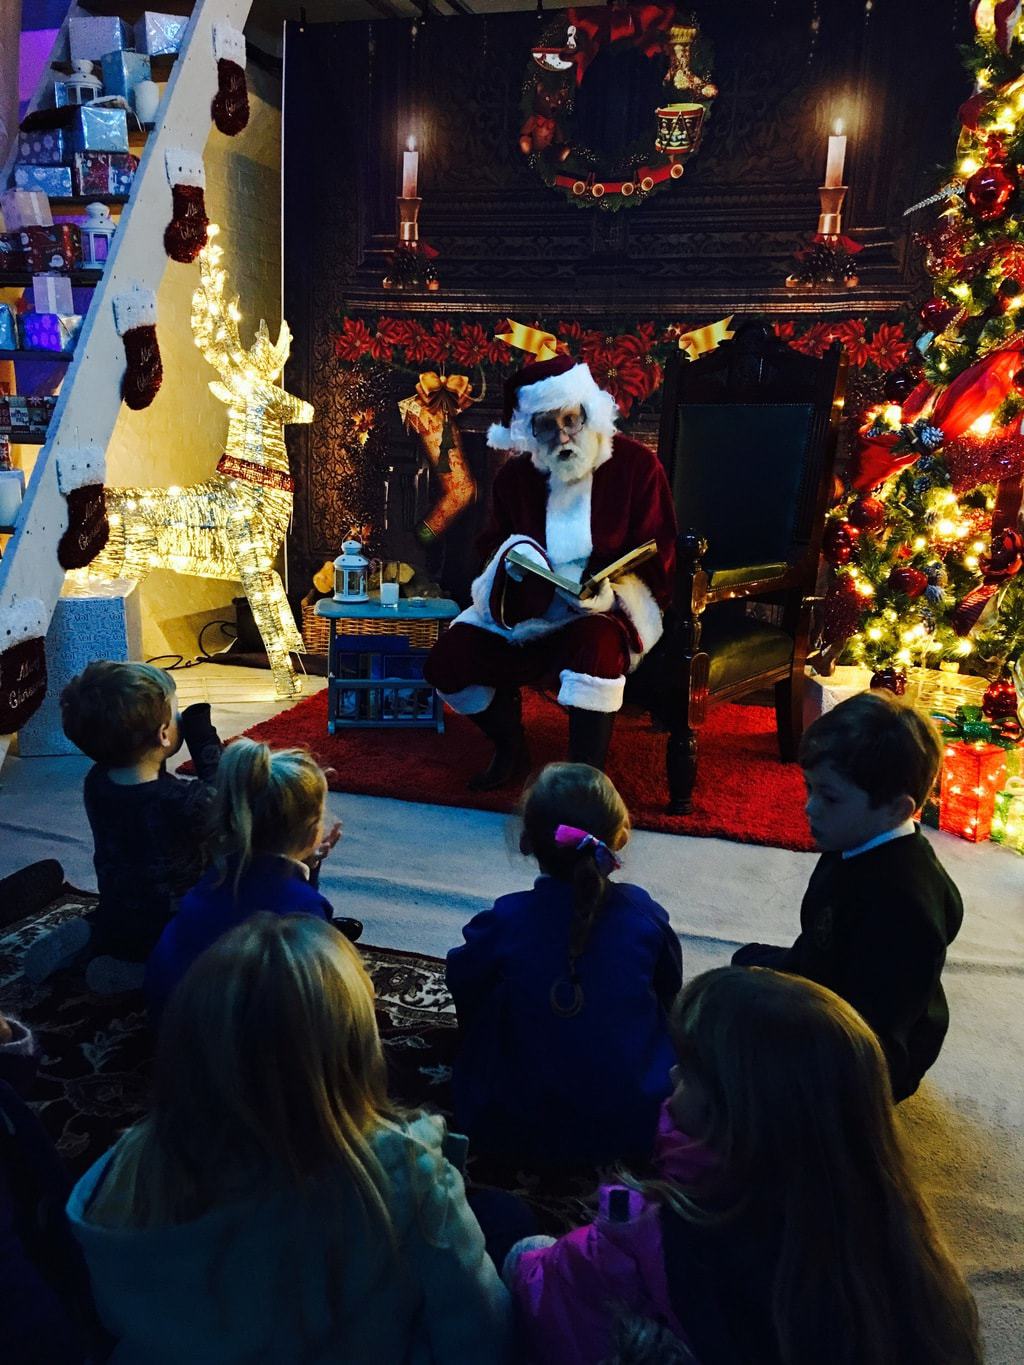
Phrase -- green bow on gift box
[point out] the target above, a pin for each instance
(972, 726)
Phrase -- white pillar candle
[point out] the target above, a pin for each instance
(836, 157)
(12, 490)
(410, 170)
(146, 95)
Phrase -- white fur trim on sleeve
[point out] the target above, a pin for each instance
(184, 167)
(24, 620)
(134, 308)
(588, 693)
(484, 582)
(635, 598)
(228, 43)
(79, 469)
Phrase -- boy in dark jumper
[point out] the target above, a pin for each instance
(880, 910)
(149, 827)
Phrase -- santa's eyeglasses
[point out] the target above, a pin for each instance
(547, 426)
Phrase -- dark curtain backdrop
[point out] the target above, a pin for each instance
(718, 241)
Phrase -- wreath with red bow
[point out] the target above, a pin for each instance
(614, 101)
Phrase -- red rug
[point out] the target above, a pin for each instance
(744, 792)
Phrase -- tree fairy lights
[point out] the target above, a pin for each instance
(232, 525)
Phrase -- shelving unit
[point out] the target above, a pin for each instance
(52, 357)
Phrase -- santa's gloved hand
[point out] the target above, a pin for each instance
(602, 600)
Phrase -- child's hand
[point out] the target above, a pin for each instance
(328, 841)
(5, 1031)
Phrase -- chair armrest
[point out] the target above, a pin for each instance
(792, 577)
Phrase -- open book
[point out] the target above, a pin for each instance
(630, 560)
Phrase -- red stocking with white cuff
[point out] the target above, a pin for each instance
(230, 107)
(22, 662)
(135, 319)
(185, 234)
(80, 476)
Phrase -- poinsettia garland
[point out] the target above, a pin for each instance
(630, 364)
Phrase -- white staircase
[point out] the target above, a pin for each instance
(90, 395)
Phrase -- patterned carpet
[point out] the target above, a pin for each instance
(95, 1068)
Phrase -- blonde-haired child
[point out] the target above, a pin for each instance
(275, 1205)
(267, 819)
(562, 992)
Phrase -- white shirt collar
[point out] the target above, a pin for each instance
(900, 832)
(296, 862)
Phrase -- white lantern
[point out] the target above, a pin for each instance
(79, 88)
(97, 231)
(350, 572)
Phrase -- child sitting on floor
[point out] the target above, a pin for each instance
(148, 826)
(267, 848)
(783, 1225)
(276, 1206)
(562, 992)
(880, 910)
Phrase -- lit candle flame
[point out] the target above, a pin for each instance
(410, 143)
(837, 127)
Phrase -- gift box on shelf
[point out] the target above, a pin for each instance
(43, 147)
(92, 38)
(159, 34)
(52, 294)
(1008, 816)
(96, 128)
(25, 208)
(12, 492)
(122, 72)
(51, 331)
(53, 181)
(31, 415)
(973, 772)
(8, 328)
(109, 173)
(42, 249)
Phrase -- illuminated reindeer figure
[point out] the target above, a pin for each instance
(231, 526)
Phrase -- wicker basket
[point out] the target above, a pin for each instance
(316, 630)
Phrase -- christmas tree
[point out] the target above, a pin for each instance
(925, 545)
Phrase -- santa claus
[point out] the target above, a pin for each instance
(575, 496)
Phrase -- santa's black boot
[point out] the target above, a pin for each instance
(590, 733)
(502, 722)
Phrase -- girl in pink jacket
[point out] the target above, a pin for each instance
(783, 1225)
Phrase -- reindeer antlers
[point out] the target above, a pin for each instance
(215, 325)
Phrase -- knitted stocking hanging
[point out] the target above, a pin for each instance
(80, 479)
(230, 107)
(135, 318)
(22, 662)
(185, 234)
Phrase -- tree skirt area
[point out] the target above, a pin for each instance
(744, 792)
(97, 1052)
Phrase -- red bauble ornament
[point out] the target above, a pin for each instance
(936, 314)
(1000, 699)
(899, 385)
(1006, 555)
(841, 612)
(912, 582)
(839, 541)
(989, 191)
(890, 679)
(867, 514)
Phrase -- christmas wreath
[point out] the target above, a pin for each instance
(614, 101)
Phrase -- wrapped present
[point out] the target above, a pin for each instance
(52, 294)
(51, 331)
(25, 208)
(8, 328)
(43, 147)
(159, 34)
(12, 492)
(96, 128)
(1008, 816)
(91, 39)
(53, 181)
(973, 771)
(122, 71)
(42, 249)
(109, 173)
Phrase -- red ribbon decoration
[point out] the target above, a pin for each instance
(248, 471)
(874, 462)
(643, 26)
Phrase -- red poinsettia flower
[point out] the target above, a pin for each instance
(358, 342)
(815, 341)
(421, 345)
(854, 341)
(784, 330)
(596, 349)
(472, 347)
(572, 331)
(397, 332)
(890, 346)
(627, 381)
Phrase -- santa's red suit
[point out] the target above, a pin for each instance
(518, 631)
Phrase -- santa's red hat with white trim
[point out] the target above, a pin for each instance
(548, 386)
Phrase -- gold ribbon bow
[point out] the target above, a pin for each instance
(701, 339)
(444, 390)
(541, 345)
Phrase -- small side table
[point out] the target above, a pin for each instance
(375, 663)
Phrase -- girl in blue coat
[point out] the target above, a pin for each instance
(562, 992)
(268, 844)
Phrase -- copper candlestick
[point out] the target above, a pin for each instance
(409, 220)
(830, 220)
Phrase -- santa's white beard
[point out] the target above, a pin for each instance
(573, 461)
